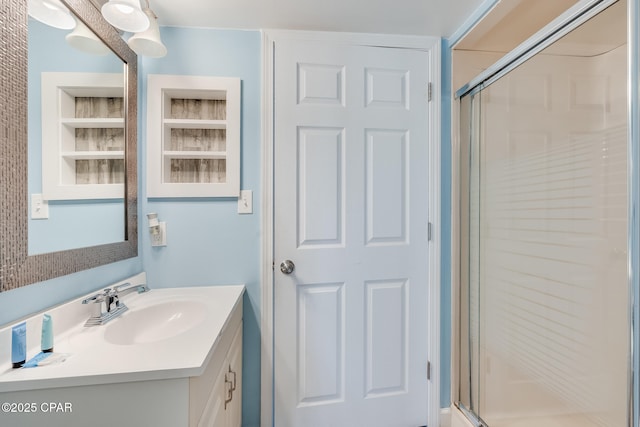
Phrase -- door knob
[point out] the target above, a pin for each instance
(287, 266)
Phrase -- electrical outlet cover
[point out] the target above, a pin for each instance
(160, 239)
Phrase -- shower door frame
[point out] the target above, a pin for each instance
(563, 24)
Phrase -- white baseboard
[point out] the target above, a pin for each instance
(445, 417)
(457, 418)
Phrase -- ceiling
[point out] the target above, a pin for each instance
(417, 17)
(511, 22)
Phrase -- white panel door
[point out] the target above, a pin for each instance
(351, 212)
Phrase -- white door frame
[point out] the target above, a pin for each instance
(266, 321)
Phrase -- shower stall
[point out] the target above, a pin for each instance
(547, 228)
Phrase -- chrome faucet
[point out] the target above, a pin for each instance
(106, 305)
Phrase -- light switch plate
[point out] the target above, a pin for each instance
(39, 207)
(245, 202)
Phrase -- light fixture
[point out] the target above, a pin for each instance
(126, 15)
(85, 40)
(52, 13)
(148, 43)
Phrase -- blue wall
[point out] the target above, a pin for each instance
(445, 214)
(208, 242)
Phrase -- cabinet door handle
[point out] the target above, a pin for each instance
(233, 387)
(229, 391)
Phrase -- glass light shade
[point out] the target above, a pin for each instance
(126, 15)
(148, 43)
(52, 13)
(82, 38)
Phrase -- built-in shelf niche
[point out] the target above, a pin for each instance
(193, 136)
(83, 134)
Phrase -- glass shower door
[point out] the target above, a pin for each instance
(545, 325)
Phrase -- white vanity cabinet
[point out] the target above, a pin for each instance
(212, 399)
(190, 380)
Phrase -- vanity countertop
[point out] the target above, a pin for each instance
(96, 358)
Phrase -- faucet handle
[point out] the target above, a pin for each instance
(121, 287)
(128, 287)
(95, 298)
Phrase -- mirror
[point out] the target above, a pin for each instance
(17, 266)
(58, 71)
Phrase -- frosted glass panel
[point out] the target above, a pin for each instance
(547, 295)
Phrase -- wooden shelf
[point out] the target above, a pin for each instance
(92, 155)
(194, 124)
(93, 123)
(195, 154)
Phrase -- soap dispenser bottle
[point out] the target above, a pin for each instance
(47, 334)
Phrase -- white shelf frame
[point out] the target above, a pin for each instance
(59, 90)
(160, 90)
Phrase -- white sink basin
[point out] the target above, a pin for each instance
(156, 322)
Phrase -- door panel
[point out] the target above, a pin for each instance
(321, 186)
(351, 191)
(386, 186)
(320, 343)
(386, 352)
